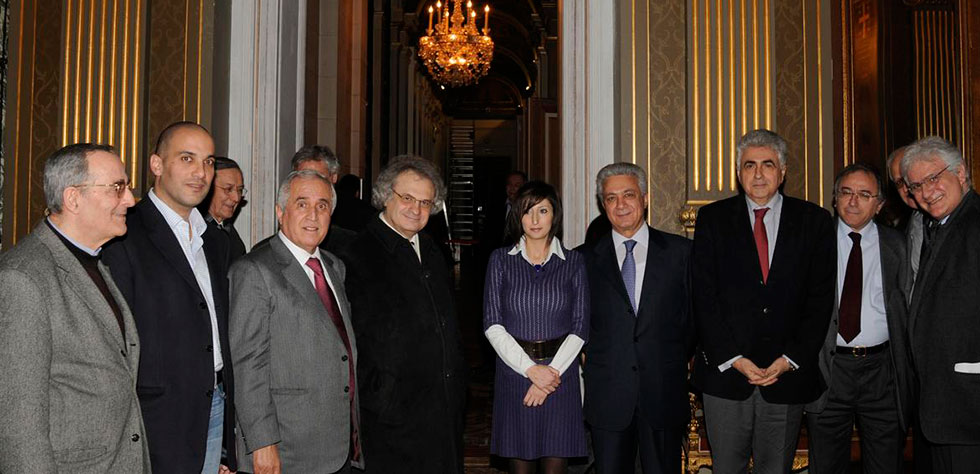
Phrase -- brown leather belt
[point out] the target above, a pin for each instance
(862, 351)
(541, 350)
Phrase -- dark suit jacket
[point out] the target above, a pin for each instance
(737, 314)
(236, 247)
(410, 371)
(637, 363)
(176, 373)
(944, 320)
(68, 383)
(291, 364)
(891, 244)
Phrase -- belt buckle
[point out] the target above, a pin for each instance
(859, 351)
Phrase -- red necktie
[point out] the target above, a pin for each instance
(326, 296)
(850, 296)
(762, 242)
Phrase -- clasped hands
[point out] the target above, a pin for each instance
(762, 377)
(544, 381)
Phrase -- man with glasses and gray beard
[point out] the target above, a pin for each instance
(944, 314)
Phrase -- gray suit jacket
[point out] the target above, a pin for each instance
(68, 387)
(291, 368)
(891, 244)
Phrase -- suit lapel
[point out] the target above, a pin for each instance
(342, 303)
(128, 322)
(74, 276)
(651, 277)
(608, 263)
(296, 277)
(163, 239)
(788, 220)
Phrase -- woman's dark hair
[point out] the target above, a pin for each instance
(529, 196)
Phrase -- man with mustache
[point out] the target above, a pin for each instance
(945, 306)
(172, 269)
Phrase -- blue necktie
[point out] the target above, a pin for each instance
(629, 272)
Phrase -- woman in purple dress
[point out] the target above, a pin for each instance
(536, 316)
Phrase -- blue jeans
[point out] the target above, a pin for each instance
(212, 457)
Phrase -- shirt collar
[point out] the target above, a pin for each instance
(641, 237)
(775, 202)
(195, 220)
(870, 231)
(94, 253)
(555, 249)
(415, 238)
(301, 255)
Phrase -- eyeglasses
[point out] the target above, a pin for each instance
(119, 187)
(931, 180)
(411, 201)
(232, 188)
(864, 196)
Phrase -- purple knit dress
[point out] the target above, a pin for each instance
(536, 305)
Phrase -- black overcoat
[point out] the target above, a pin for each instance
(411, 373)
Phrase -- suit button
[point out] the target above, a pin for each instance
(210, 393)
(203, 305)
(210, 348)
(831, 352)
(343, 357)
(346, 389)
(634, 368)
(135, 437)
(636, 339)
(765, 310)
(123, 352)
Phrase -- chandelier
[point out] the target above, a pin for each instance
(454, 50)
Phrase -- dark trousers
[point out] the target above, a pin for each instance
(955, 458)
(862, 390)
(659, 450)
(751, 428)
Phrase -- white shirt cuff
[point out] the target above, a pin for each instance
(567, 352)
(728, 365)
(791, 363)
(508, 349)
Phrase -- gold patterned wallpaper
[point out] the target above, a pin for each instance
(697, 74)
(109, 71)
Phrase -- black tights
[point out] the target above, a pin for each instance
(548, 466)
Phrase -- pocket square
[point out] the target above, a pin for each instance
(967, 367)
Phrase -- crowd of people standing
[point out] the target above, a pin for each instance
(139, 337)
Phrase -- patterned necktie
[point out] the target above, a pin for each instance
(850, 296)
(762, 241)
(629, 273)
(326, 296)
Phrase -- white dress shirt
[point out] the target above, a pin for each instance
(507, 347)
(414, 241)
(302, 256)
(874, 324)
(189, 234)
(642, 238)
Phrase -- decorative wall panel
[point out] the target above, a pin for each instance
(938, 96)
(695, 75)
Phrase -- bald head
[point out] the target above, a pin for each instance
(166, 136)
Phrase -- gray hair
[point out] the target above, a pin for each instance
(930, 148)
(316, 153)
(282, 197)
(860, 168)
(761, 138)
(383, 190)
(619, 169)
(66, 167)
(892, 157)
